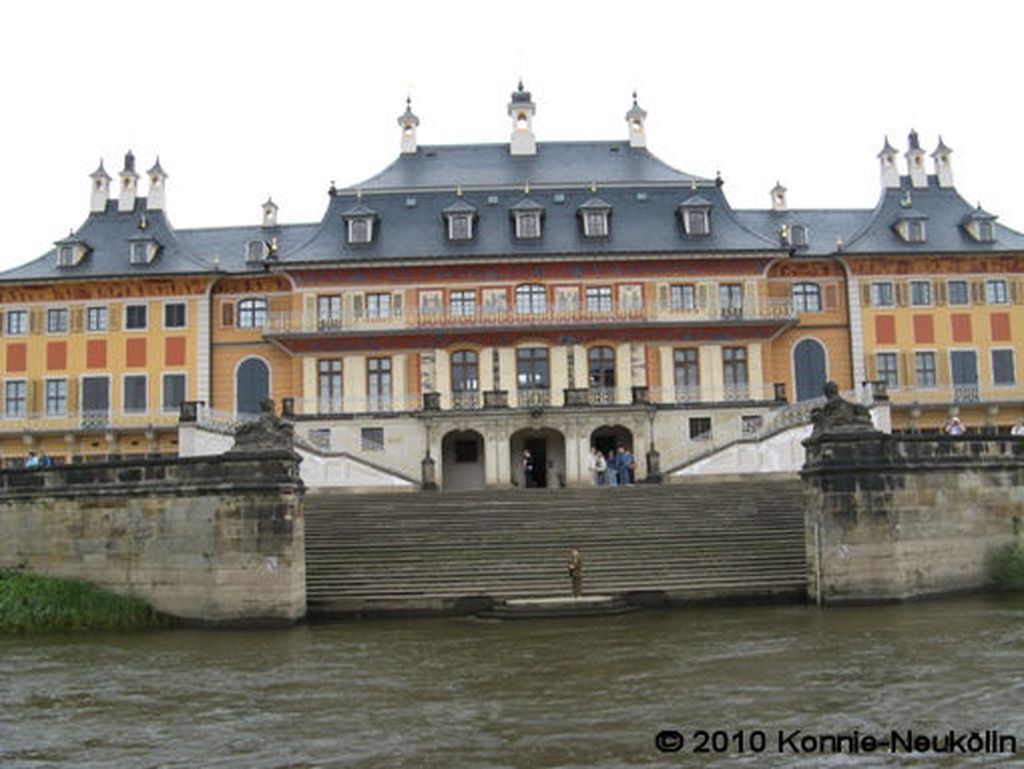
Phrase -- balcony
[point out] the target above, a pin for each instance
(956, 394)
(533, 398)
(88, 421)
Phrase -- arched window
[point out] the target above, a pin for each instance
(252, 313)
(806, 297)
(531, 299)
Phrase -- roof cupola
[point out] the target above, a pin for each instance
(156, 199)
(129, 184)
(100, 189)
(943, 167)
(269, 213)
(408, 122)
(778, 197)
(887, 163)
(635, 119)
(915, 161)
(522, 109)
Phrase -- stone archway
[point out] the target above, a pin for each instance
(610, 437)
(462, 460)
(547, 448)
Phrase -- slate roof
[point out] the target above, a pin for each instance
(823, 225)
(556, 163)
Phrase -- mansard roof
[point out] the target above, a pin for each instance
(556, 163)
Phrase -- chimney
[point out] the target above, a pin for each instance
(156, 199)
(129, 184)
(100, 189)
(889, 171)
(915, 162)
(943, 166)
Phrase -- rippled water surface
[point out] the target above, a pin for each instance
(473, 693)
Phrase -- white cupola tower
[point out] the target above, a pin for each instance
(943, 167)
(100, 190)
(408, 122)
(887, 163)
(915, 161)
(522, 109)
(635, 119)
(129, 184)
(778, 197)
(269, 213)
(156, 200)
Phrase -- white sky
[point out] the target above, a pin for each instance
(245, 100)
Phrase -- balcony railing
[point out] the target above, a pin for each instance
(287, 322)
(956, 394)
(89, 420)
(465, 400)
(533, 398)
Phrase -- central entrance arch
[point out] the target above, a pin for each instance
(547, 450)
(462, 460)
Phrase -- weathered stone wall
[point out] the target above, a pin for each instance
(899, 517)
(210, 539)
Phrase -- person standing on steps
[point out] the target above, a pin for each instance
(528, 477)
(612, 468)
(576, 571)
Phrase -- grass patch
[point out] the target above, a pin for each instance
(30, 603)
(1007, 566)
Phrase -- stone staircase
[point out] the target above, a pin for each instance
(461, 551)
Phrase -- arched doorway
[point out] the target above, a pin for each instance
(809, 369)
(462, 460)
(610, 437)
(252, 385)
(547, 450)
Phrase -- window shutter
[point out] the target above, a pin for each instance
(865, 294)
(35, 321)
(357, 306)
(977, 292)
(72, 395)
(940, 292)
(227, 314)
(941, 368)
(901, 293)
(396, 304)
(663, 297)
(114, 317)
(76, 320)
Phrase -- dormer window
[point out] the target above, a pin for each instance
(915, 232)
(595, 213)
(911, 227)
(798, 235)
(359, 220)
(459, 218)
(256, 251)
(70, 252)
(527, 217)
(980, 225)
(695, 213)
(142, 251)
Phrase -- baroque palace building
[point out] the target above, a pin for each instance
(472, 301)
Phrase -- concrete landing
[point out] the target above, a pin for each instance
(558, 606)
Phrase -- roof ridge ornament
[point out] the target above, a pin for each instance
(635, 120)
(408, 122)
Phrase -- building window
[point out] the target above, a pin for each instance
(599, 298)
(532, 370)
(57, 320)
(252, 313)
(462, 304)
(527, 225)
(798, 235)
(256, 251)
(174, 391)
(378, 383)
(700, 428)
(920, 293)
(924, 369)
(329, 386)
(1003, 371)
(807, 297)
(56, 397)
(683, 297)
(360, 230)
(174, 315)
(139, 253)
(135, 317)
(96, 319)
(957, 292)
(882, 294)
(372, 438)
(531, 299)
(734, 372)
(17, 322)
(697, 221)
(995, 292)
(915, 231)
(986, 231)
(328, 311)
(595, 224)
(687, 374)
(460, 226)
(15, 399)
(601, 368)
(134, 393)
(465, 371)
(888, 370)
(730, 299)
(378, 306)
(66, 256)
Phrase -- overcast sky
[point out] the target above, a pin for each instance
(245, 100)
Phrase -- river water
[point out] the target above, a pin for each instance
(534, 693)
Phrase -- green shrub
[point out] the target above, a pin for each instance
(1007, 566)
(31, 603)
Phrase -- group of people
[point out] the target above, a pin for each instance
(38, 460)
(954, 426)
(618, 468)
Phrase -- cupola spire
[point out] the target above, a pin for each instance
(522, 109)
(129, 184)
(943, 166)
(915, 161)
(100, 189)
(890, 173)
(635, 119)
(156, 199)
(408, 122)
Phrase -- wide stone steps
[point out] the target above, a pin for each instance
(687, 540)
